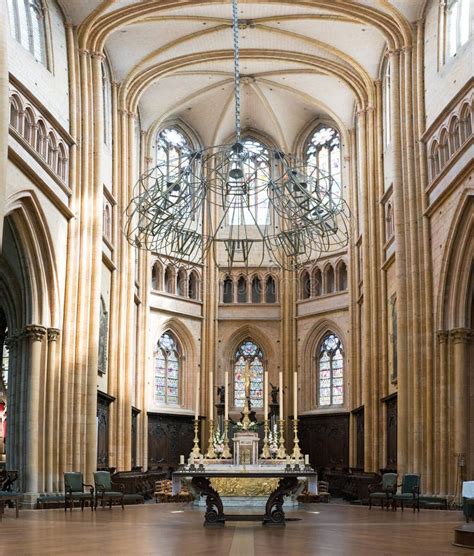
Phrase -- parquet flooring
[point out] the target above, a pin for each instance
(176, 530)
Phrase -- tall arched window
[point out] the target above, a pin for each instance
(270, 290)
(329, 279)
(248, 353)
(305, 285)
(457, 24)
(228, 290)
(387, 105)
(341, 276)
(167, 358)
(171, 146)
(317, 282)
(181, 282)
(331, 371)
(254, 207)
(107, 102)
(323, 158)
(28, 26)
(103, 337)
(168, 280)
(256, 290)
(193, 286)
(156, 276)
(242, 290)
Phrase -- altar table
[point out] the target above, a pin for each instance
(274, 514)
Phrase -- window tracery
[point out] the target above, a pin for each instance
(249, 353)
(167, 367)
(323, 158)
(28, 26)
(331, 371)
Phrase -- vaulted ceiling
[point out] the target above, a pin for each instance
(299, 59)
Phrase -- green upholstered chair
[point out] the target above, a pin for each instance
(74, 491)
(106, 491)
(383, 491)
(409, 493)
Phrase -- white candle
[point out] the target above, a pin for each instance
(295, 395)
(265, 396)
(181, 460)
(281, 394)
(306, 459)
(211, 396)
(198, 392)
(226, 399)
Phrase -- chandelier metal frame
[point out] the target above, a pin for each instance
(210, 202)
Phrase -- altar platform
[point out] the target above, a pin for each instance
(281, 481)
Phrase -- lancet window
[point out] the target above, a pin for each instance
(248, 354)
(28, 26)
(167, 363)
(331, 371)
(323, 159)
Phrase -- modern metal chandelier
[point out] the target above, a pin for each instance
(242, 205)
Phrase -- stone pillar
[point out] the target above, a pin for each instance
(460, 338)
(442, 450)
(52, 411)
(11, 344)
(34, 437)
(4, 114)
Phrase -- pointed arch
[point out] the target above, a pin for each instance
(305, 285)
(33, 239)
(329, 285)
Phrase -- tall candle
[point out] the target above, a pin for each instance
(295, 395)
(198, 392)
(265, 396)
(226, 399)
(211, 396)
(280, 383)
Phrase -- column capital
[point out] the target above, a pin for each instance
(11, 342)
(461, 335)
(53, 334)
(35, 332)
(442, 336)
(393, 52)
(99, 55)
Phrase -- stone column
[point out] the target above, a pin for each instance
(442, 410)
(11, 344)
(52, 410)
(34, 438)
(4, 114)
(460, 338)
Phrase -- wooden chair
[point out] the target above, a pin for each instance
(163, 491)
(105, 490)
(410, 492)
(323, 491)
(383, 491)
(74, 491)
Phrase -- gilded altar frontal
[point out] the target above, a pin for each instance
(236, 277)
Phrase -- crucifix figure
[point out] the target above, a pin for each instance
(246, 411)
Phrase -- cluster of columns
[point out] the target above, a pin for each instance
(34, 416)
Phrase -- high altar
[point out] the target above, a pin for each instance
(244, 472)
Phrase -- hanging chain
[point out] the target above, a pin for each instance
(235, 25)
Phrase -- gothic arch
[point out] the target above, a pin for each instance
(307, 358)
(39, 274)
(456, 272)
(241, 334)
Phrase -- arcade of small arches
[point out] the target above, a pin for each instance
(323, 280)
(254, 287)
(172, 279)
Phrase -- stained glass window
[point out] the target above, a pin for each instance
(166, 371)
(323, 159)
(331, 371)
(248, 353)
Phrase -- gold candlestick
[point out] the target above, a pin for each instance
(211, 454)
(281, 454)
(296, 455)
(196, 452)
(266, 450)
(226, 453)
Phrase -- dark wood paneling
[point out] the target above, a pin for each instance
(391, 432)
(359, 426)
(169, 436)
(326, 439)
(103, 402)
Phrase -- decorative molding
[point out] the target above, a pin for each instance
(53, 334)
(34, 332)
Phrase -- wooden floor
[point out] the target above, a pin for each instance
(176, 529)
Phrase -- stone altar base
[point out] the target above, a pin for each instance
(289, 502)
